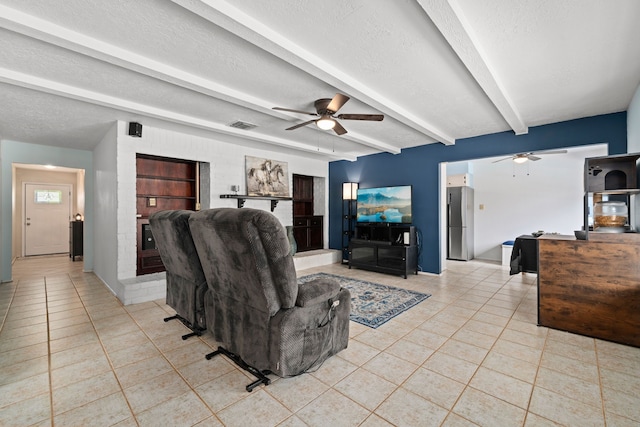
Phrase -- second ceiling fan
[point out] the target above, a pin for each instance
(326, 110)
(523, 157)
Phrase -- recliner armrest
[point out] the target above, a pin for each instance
(317, 291)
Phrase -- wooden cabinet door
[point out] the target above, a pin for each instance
(302, 195)
(302, 187)
(315, 233)
(308, 233)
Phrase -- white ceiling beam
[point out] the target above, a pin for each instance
(232, 19)
(72, 92)
(449, 17)
(56, 35)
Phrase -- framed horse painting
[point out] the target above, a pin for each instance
(267, 177)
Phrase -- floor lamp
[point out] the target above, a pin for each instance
(349, 197)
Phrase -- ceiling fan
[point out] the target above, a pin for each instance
(523, 157)
(326, 109)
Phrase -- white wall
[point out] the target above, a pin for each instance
(520, 199)
(227, 163)
(106, 230)
(633, 124)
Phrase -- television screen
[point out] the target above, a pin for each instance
(385, 204)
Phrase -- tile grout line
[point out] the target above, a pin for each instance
(535, 379)
(6, 312)
(71, 280)
(49, 365)
(601, 386)
(523, 312)
(449, 411)
(467, 385)
(175, 369)
(104, 350)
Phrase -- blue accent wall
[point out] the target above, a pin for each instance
(419, 167)
(633, 123)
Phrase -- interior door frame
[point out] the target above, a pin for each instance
(24, 208)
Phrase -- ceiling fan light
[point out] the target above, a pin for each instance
(520, 159)
(325, 123)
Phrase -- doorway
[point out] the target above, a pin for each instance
(47, 209)
(513, 199)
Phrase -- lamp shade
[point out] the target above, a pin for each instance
(520, 159)
(349, 191)
(325, 123)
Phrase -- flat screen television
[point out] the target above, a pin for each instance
(384, 205)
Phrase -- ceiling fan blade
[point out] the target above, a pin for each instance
(300, 125)
(506, 158)
(339, 129)
(533, 158)
(373, 117)
(337, 102)
(551, 152)
(294, 111)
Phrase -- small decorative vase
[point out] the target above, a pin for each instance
(293, 245)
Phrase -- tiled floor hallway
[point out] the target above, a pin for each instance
(72, 355)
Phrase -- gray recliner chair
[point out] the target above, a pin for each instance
(254, 305)
(186, 284)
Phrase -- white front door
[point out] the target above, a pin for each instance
(46, 221)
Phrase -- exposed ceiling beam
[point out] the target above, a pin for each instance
(72, 92)
(232, 19)
(448, 16)
(56, 35)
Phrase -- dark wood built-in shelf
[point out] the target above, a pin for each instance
(165, 178)
(161, 184)
(167, 197)
(242, 198)
(308, 228)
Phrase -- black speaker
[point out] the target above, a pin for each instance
(135, 129)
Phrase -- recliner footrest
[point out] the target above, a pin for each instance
(195, 331)
(260, 375)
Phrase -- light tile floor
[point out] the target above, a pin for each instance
(72, 355)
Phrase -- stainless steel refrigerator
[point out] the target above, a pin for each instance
(460, 223)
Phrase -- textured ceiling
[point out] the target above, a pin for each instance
(439, 70)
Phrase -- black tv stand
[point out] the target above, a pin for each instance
(385, 248)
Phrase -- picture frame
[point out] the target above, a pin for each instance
(266, 177)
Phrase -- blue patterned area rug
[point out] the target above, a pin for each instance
(373, 304)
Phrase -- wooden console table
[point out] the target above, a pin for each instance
(591, 287)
